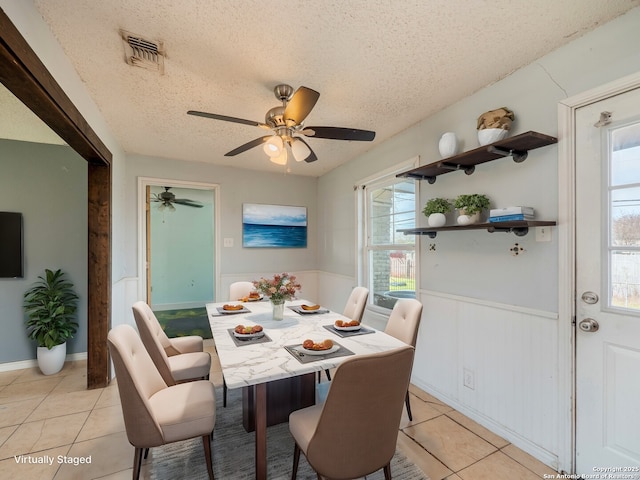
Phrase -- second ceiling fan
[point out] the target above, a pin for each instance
(286, 122)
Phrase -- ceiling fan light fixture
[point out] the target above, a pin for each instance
(274, 146)
(280, 159)
(300, 150)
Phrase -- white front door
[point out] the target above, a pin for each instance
(608, 287)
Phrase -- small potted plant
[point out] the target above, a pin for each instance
(470, 207)
(50, 305)
(435, 210)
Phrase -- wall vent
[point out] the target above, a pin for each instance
(144, 53)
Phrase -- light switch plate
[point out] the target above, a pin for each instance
(228, 242)
(543, 234)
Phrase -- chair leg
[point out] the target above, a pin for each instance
(137, 462)
(406, 401)
(146, 453)
(296, 459)
(224, 393)
(387, 471)
(328, 375)
(207, 455)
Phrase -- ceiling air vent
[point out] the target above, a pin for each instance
(140, 52)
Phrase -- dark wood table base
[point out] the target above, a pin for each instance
(271, 403)
(282, 397)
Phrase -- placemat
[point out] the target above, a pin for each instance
(224, 313)
(343, 333)
(302, 311)
(241, 343)
(302, 358)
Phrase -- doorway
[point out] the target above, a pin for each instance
(178, 251)
(601, 171)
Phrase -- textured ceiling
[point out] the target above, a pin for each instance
(378, 65)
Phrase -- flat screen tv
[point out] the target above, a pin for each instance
(11, 262)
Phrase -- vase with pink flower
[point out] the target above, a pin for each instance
(280, 288)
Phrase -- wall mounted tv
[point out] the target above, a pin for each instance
(11, 257)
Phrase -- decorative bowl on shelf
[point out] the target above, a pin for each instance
(487, 136)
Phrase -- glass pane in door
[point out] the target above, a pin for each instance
(624, 217)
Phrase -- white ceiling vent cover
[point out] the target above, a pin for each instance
(140, 52)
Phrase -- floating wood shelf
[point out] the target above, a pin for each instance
(516, 147)
(519, 228)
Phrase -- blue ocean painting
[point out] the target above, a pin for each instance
(274, 226)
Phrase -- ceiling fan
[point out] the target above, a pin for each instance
(287, 122)
(167, 199)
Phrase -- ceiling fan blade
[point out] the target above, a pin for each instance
(300, 106)
(226, 118)
(188, 203)
(339, 133)
(247, 146)
(312, 156)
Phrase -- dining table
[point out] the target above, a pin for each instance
(253, 362)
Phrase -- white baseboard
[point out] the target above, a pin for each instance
(522, 443)
(10, 366)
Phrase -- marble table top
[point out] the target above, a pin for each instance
(256, 363)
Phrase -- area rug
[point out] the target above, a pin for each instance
(183, 322)
(233, 453)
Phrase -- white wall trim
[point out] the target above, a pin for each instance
(142, 230)
(495, 305)
(23, 364)
(566, 255)
(519, 441)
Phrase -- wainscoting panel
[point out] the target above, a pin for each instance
(497, 364)
(308, 280)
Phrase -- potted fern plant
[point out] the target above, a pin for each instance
(435, 210)
(50, 305)
(470, 207)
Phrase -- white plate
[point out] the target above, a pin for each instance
(348, 329)
(247, 336)
(255, 299)
(302, 311)
(231, 312)
(301, 349)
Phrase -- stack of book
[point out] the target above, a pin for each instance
(510, 214)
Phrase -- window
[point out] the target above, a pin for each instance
(388, 258)
(624, 218)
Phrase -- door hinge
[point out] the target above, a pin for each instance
(573, 321)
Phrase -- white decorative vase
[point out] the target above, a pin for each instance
(52, 361)
(464, 219)
(448, 145)
(278, 309)
(487, 136)
(437, 220)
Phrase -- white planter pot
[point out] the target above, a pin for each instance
(464, 219)
(490, 135)
(52, 361)
(437, 220)
(448, 145)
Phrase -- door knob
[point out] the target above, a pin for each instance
(589, 325)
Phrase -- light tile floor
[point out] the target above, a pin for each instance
(56, 418)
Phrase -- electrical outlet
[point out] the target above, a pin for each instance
(516, 250)
(228, 242)
(543, 234)
(468, 379)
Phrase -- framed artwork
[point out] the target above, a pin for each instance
(274, 226)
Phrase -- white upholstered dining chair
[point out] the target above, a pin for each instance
(175, 367)
(353, 310)
(356, 303)
(403, 324)
(238, 290)
(354, 432)
(156, 413)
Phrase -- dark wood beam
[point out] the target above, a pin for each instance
(22, 72)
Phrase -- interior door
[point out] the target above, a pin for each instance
(608, 286)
